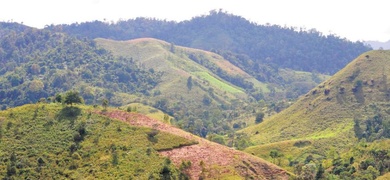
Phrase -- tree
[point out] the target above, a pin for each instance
(320, 172)
(166, 119)
(259, 117)
(189, 83)
(105, 104)
(275, 154)
(73, 97)
(58, 98)
(36, 85)
(357, 129)
(309, 171)
(1, 131)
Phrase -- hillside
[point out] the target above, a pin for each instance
(201, 90)
(192, 88)
(219, 94)
(37, 64)
(39, 141)
(285, 47)
(353, 105)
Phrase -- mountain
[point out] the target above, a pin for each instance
(346, 112)
(50, 140)
(201, 90)
(285, 47)
(379, 45)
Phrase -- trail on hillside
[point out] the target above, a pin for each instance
(208, 159)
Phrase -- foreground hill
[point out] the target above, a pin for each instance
(286, 47)
(353, 105)
(40, 141)
(208, 159)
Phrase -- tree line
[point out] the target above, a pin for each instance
(286, 47)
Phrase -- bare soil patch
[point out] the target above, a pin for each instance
(208, 159)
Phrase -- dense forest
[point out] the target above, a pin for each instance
(39, 63)
(284, 47)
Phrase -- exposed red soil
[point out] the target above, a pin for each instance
(217, 159)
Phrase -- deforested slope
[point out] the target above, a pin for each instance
(52, 140)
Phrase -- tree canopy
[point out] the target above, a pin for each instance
(286, 47)
(73, 97)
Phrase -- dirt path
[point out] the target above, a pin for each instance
(216, 159)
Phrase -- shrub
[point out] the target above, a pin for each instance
(259, 117)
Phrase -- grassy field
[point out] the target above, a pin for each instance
(216, 83)
(44, 141)
(148, 111)
(40, 141)
(325, 115)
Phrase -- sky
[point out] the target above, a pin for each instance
(355, 20)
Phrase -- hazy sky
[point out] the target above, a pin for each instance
(353, 19)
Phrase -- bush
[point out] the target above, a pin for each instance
(259, 117)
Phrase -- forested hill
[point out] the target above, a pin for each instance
(39, 63)
(6, 27)
(286, 47)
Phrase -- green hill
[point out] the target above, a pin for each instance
(38, 64)
(191, 87)
(353, 105)
(40, 141)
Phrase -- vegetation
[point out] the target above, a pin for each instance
(41, 141)
(286, 47)
(338, 130)
(39, 63)
(198, 100)
(73, 97)
(342, 124)
(259, 117)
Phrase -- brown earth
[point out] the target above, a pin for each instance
(208, 159)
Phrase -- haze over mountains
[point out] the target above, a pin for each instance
(379, 45)
(216, 76)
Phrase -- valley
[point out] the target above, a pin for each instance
(215, 97)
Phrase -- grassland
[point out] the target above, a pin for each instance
(216, 83)
(209, 93)
(148, 111)
(42, 141)
(325, 115)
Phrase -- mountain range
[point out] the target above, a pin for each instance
(291, 96)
